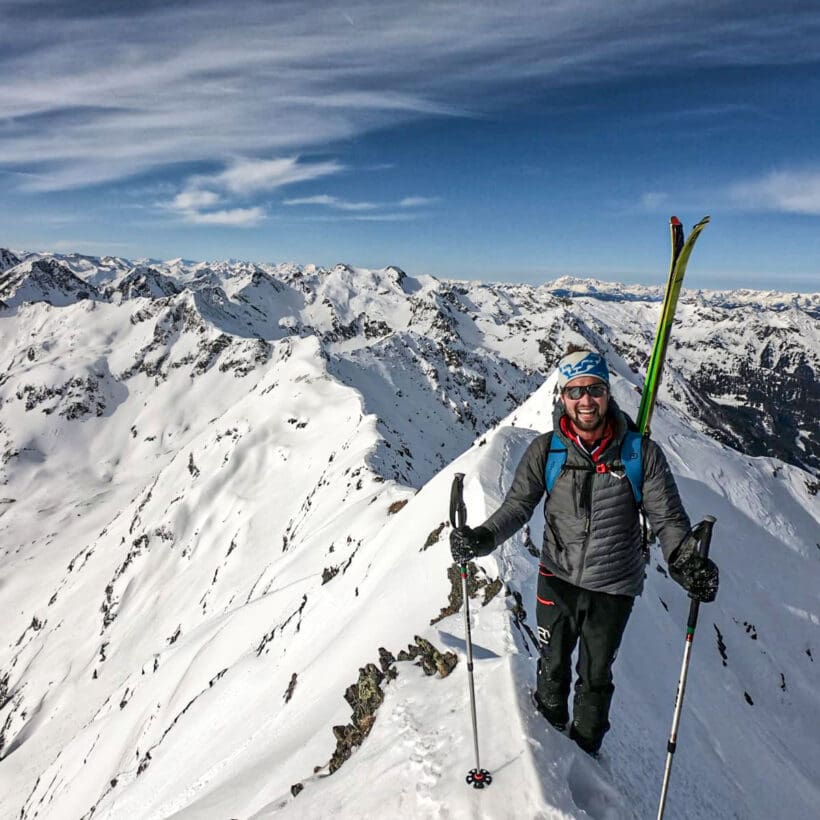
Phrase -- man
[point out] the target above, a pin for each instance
(592, 560)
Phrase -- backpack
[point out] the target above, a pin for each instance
(630, 462)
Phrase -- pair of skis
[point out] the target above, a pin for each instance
(681, 251)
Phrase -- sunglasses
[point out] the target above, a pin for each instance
(594, 390)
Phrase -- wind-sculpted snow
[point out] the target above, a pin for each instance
(223, 542)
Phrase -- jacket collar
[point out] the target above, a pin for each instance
(618, 420)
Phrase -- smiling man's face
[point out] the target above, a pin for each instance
(587, 413)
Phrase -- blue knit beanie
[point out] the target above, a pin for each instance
(582, 363)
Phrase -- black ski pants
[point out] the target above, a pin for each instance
(568, 615)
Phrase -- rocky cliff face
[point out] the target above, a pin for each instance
(8, 259)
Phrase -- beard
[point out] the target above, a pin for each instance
(587, 422)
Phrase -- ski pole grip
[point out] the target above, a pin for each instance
(708, 523)
(458, 511)
(704, 530)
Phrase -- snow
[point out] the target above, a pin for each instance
(229, 519)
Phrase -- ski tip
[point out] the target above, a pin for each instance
(674, 220)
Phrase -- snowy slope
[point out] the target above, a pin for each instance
(224, 492)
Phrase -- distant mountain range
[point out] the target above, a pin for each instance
(743, 364)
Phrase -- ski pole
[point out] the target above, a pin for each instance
(703, 531)
(478, 778)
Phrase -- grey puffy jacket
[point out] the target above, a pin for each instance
(592, 533)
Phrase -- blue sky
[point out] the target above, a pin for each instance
(514, 141)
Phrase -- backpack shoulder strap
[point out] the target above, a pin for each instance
(631, 456)
(555, 461)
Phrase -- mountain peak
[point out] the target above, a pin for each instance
(8, 259)
(44, 280)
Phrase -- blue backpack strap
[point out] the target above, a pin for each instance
(633, 463)
(631, 457)
(556, 460)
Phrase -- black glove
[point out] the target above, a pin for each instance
(696, 574)
(467, 543)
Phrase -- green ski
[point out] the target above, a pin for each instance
(681, 251)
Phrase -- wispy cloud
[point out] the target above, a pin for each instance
(369, 217)
(367, 211)
(198, 202)
(201, 207)
(389, 217)
(793, 191)
(332, 202)
(789, 191)
(417, 201)
(194, 200)
(243, 178)
(248, 176)
(235, 217)
(121, 92)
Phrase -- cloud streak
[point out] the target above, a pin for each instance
(336, 203)
(332, 202)
(792, 191)
(194, 200)
(404, 210)
(244, 177)
(234, 217)
(241, 179)
(94, 96)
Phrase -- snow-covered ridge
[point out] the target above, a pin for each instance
(223, 492)
(736, 354)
